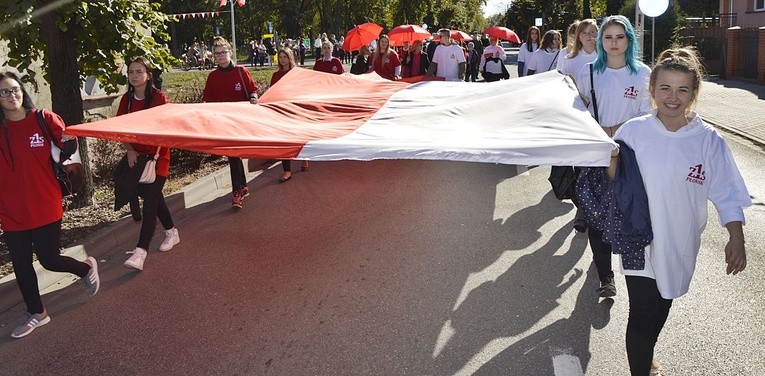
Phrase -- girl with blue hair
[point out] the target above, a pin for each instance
(615, 88)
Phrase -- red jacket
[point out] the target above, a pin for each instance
(158, 98)
(30, 196)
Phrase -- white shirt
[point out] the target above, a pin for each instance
(681, 171)
(492, 67)
(317, 42)
(572, 66)
(620, 94)
(542, 60)
(448, 59)
(524, 55)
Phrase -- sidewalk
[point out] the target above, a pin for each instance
(738, 107)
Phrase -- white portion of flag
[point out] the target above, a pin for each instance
(536, 120)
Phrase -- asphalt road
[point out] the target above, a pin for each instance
(390, 268)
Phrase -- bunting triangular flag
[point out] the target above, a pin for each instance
(240, 3)
(223, 3)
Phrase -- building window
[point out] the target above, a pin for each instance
(759, 4)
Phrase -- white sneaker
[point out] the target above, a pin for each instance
(171, 239)
(136, 260)
(31, 322)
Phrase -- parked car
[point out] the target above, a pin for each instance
(506, 46)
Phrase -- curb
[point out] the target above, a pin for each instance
(114, 236)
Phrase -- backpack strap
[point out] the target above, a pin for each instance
(66, 151)
(592, 94)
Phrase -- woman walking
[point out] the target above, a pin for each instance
(527, 48)
(141, 95)
(231, 83)
(620, 87)
(684, 163)
(30, 198)
(286, 61)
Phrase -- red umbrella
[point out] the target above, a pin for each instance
(361, 35)
(407, 33)
(456, 35)
(503, 33)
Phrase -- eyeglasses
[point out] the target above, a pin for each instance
(5, 93)
(220, 53)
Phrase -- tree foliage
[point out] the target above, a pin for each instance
(76, 39)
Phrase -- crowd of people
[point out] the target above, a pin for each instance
(649, 111)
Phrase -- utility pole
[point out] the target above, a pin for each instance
(233, 32)
(639, 30)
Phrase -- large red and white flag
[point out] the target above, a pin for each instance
(535, 120)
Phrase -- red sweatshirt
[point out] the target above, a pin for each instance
(332, 66)
(225, 85)
(30, 196)
(157, 98)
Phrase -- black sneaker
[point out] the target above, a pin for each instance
(607, 289)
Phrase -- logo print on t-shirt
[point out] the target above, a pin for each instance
(697, 175)
(238, 86)
(334, 68)
(36, 141)
(631, 92)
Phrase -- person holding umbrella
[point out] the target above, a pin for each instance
(448, 59)
(361, 65)
(493, 61)
(384, 60)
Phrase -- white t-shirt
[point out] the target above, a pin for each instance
(572, 66)
(620, 94)
(524, 55)
(542, 60)
(493, 67)
(317, 43)
(448, 60)
(681, 171)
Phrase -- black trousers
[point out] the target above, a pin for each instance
(648, 313)
(238, 179)
(601, 254)
(154, 207)
(44, 241)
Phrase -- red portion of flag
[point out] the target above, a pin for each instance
(240, 3)
(223, 3)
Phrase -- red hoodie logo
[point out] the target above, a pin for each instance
(697, 175)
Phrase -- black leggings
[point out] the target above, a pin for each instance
(238, 179)
(154, 207)
(648, 313)
(601, 254)
(44, 241)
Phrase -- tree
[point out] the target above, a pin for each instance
(74, 40)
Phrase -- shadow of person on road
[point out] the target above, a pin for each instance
(519, 298)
